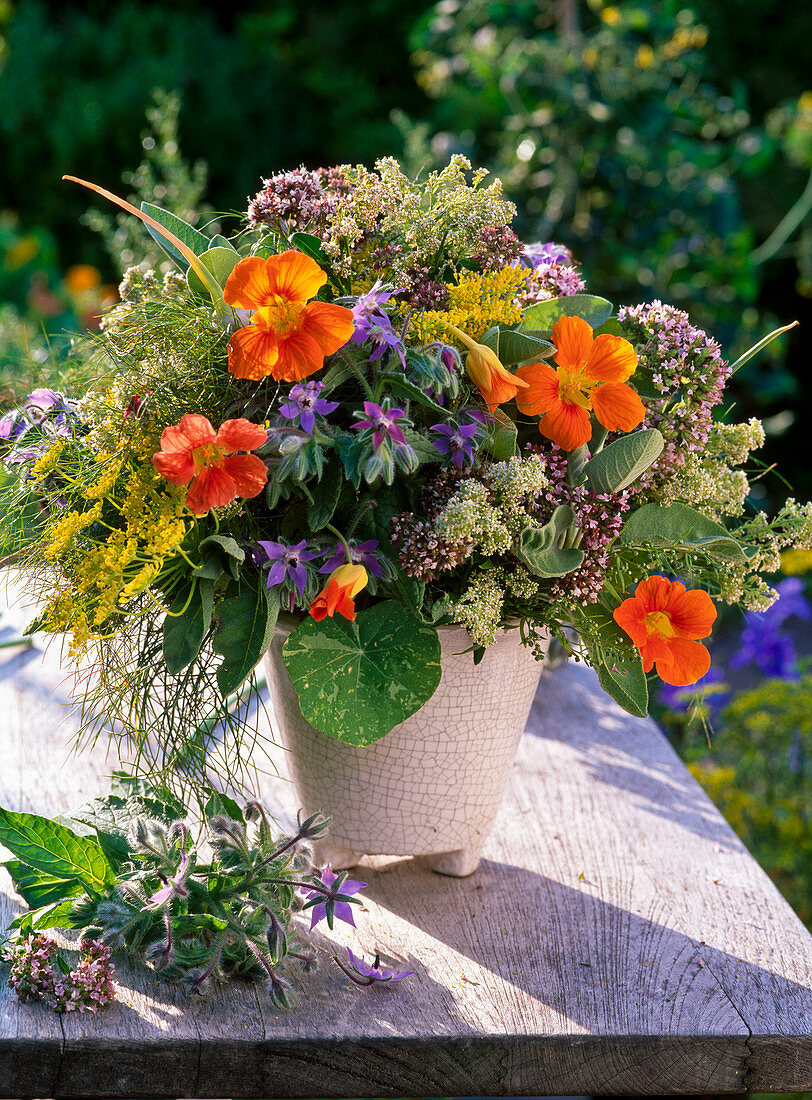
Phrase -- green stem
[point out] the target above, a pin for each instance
(342, 540)
(348, 359)
(786, 227)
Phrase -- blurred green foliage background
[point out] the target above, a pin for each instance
(669, 144)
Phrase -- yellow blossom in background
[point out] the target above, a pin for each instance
(476, 303)
(81, 277)
(589, 58)
(796, 562)
(610, 16)
(685, 38)
(644, 57)
(21, 253)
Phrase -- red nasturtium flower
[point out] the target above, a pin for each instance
(664, 619)
(485, 370)
(288, 336)
(191, 451)
(337, 595)
(591, 376)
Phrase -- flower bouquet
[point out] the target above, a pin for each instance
(371, 420)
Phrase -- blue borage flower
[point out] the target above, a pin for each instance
(369, 975)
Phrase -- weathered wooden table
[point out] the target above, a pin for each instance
(617, 938)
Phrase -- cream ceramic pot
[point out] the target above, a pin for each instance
(430, 787)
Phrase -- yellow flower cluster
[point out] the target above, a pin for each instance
(104, 574)
(476, 302)
(48, 462)
(62, 535)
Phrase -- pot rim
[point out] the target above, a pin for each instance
(288, 622)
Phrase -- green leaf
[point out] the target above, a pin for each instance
(191, 924)
(220, 262)
(358, 680)
(222, 242)
(310, 245)
(37, 888)
(55, 850)
(160, 801)
(612, 327)
(542, 316)
(643, 382)
(398, 383)
(623, 680)
(220, 805)
(184, 630)
(193, 238)
(756, 348)
(679, 525)
(339, 372)
(576, 465)
(547, 561)
(501, 442)
(327, 494)
(220, 553)
(424, 449)
(513, 346)
(55, 915)
(623, 461)
(410, 590)
(559, 523)
(245, 627)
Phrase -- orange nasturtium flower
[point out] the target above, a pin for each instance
(590, 377)
(288, 336)
(337, 595)
(191, 451)
(664, 619)
(482, 365)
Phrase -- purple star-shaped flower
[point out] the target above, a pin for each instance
(287, 561)
(383, 423)
(382, 335)
(303, 404)
(370, 305)
(373, 324)
(458, 442)
(334, 899)
(361, 553)
(548, 252)
(373, 973)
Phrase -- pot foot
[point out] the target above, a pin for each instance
(458, 864)
(339, 859)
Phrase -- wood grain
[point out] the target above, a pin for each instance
(617, 938)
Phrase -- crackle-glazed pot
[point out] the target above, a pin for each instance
(433, 785)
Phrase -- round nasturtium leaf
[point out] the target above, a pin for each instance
(357, 681)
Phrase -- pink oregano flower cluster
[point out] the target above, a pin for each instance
(36, 975)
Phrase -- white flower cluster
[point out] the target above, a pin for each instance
(470, 517)
(442, 211)
(514, 481)
(741, 581)
(479, 609)
(707, 480)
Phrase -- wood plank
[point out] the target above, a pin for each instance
(617, 938)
